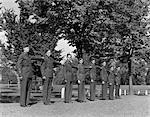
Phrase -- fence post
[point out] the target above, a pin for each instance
(120, 92)
(63, 92)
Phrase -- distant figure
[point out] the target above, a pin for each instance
(81, 83)
(104, 77)
(68, 73)
(47, 74)
(117, 82)
(25, 69)
(111, 81)
(93, 78)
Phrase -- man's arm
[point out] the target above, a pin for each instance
(43, 68)
(19, 63)
(64, 72)
(74, 66)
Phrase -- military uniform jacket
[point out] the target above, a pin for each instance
(24, 65)
(104, 74)
(93, 72)
(47, 66)
(111, 77)
(118, 77)
(68, 72)
(81, 72)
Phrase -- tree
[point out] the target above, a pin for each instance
(24, 31)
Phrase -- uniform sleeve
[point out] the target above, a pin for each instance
(56, 62)
(43, 67)
(97, 66)
(78, 71)
(109, 78)
(74, 66)
(64, 71)
(101, 73)
(19, 63)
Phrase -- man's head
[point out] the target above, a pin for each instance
(69, 56)
(111, 68)
(48, 53)
(93, 61)
(104, 63)
(81, 60)
(26, 49)
(118, 68)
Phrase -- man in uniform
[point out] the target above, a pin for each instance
(104, 77)
(81, 82)
(25, 69)
(93, 78)
(111, 79)
(117, 82)
(47, 73)
(68, 73)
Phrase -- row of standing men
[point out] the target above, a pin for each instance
(110, 79)
(25, 70)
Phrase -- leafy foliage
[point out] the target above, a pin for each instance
(107, 28)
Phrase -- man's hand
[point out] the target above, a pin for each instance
(44, 77)
(92, 80)
(65, 81)
(79, 81)
(110, 83)
(20, 77)
(103, 82)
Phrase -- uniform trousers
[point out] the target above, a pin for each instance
(104, 90)
(68, 91)
(111, 91)
(81, 91)
(47, 90)
(117, 88)
(92, 91)
(26, 86)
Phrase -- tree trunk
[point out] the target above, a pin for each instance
(130, 77)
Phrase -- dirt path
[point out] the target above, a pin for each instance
(128, 106)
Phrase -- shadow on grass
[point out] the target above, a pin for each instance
(16, 99)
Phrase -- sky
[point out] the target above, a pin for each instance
(61, 45)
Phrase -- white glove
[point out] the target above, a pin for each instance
(92, 80)
(103, 82)
(110, 83)
(79, 81)
(44, 77)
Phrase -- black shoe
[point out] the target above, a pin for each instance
(102, 99)
(118, 97)
(91, 100)
(46, 103)
(66, 102)
(28, 105)
(81, 101)
(23, 105)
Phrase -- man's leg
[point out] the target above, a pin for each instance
(29, 88)
(104, 91)
(83, 91)
(116, 90)
(23, 92)
(111, 92)
(70, 91)
(67, 86)
(49, 90)
(79, 92)
(45, 90)
(92, 91)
